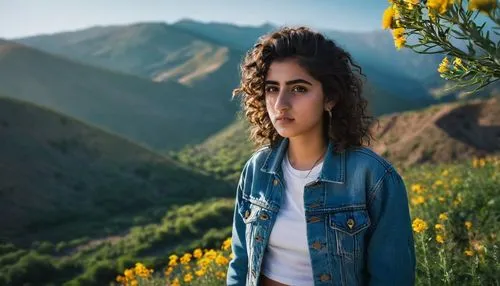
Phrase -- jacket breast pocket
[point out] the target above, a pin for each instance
(348, 232)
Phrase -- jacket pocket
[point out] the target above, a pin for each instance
(349, 231)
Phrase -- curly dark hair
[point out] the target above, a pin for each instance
(324, 61)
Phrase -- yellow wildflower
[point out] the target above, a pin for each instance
(441, 199)
(169, 271)
(134, 283)
(477, 246)
(468, 252)
(197, 253)
(443, 216)
(440, 6)
(220, 274)
(458, 64)
(439, 238)
(176, 282)
(142, 271)
(204, 262)
(398, 32)
(211, 254)
(221, 260)
(399, 42)
(121, 279)
(439, 226)
(172, 263)
(188, 277)
(419, 225)
(226, 245)
(417, 188)
(186, 258)
(482, 5)
(443, 66)
(412, 3)
(417, 200)
(468, 225)
(445, 173)
(201, 272)
(388, 17)
(129, 274)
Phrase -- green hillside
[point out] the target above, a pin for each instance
(61, 179)
(165, 115)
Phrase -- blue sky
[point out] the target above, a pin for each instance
(20, 18)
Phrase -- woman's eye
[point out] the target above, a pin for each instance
(299, 88)
(271, 89)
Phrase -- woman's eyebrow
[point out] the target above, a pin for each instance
(288, 82)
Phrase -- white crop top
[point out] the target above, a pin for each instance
(287, 259)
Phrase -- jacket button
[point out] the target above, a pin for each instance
(275, 182)
(350, 223)
(263, 216)
(317, 245)
(247, 214)
(324, 277)
(314, 219)
(258, 238)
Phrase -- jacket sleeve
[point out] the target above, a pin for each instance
(391, 248)
(238, 266)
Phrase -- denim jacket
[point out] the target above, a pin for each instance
(357, 219)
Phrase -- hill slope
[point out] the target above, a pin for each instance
(441, 133)
(61, 179)
(164, 115)
(150, 50)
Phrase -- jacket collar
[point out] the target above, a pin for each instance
(333, 170)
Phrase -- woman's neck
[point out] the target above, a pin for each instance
(304, 152)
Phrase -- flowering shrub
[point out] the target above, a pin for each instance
(452, 28)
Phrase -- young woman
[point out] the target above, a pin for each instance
(314, 206)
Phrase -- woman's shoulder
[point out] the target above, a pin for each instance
(365, 156)
(259, 155)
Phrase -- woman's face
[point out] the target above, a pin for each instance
(294, 100)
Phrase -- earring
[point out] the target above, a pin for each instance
(330, 114)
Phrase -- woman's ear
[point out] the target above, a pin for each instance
(329, 105)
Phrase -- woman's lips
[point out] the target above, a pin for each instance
(284, 120)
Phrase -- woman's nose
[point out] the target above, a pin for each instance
(282, 101)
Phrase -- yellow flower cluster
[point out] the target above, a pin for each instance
(131, 275)
(208, 264)
(439, 6)
(392, 15)
(444, 66)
